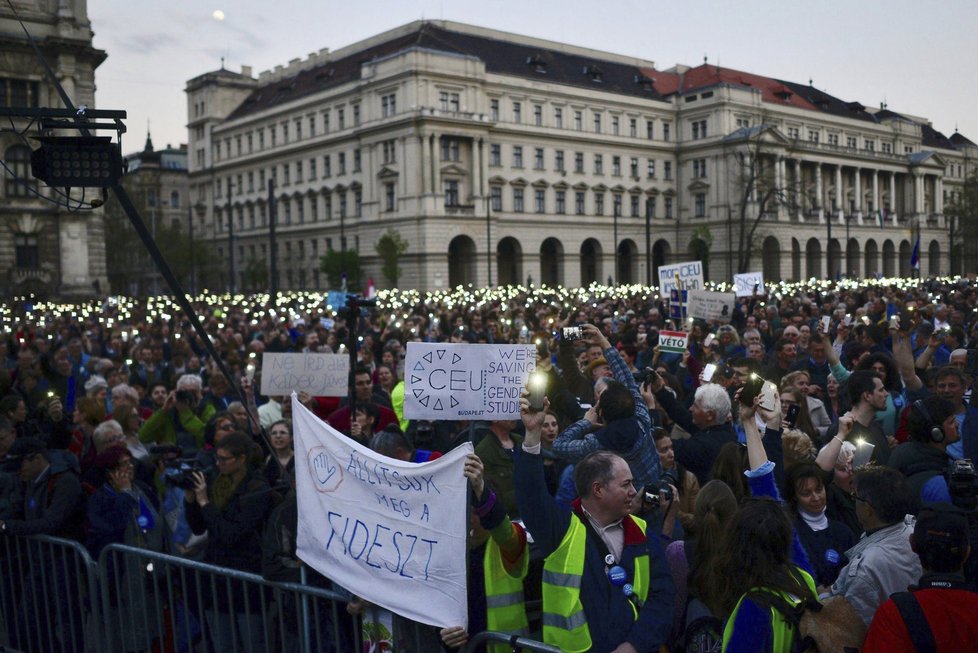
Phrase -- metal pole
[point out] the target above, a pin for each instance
(193, 254)
(272, 241)
(828, 248)
(648, 242)
(230, 239)
(489, 243)
(152, 217)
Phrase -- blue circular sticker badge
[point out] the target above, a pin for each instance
(142, 521)
(628, 589)
(832, 556)
(617, 575)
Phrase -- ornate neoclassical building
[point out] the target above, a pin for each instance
(45, 248)
(500, 157)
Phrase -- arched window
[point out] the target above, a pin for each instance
(17, 176)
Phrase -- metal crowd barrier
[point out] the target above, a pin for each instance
(48, 591)
(54, 597)
(511, 642)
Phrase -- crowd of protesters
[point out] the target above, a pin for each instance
(843, 482)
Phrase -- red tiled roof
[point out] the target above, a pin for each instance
(772, 90)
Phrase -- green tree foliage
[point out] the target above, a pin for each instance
(962, 225)
(390, 247)
(335, 262)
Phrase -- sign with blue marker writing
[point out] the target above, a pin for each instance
(690, 275)
(390, 531)
(462, 381)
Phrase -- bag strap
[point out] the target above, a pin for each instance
(791, 613)
(920, 631)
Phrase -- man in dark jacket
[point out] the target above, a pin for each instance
(707, 421)
(923, 458)
(53, 496)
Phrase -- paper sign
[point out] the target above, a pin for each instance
(744, 283)
(710, 305)
(673, 341)
(321, 375)
(463, 381)
(690, 275)
(336, 299)
(392, 531)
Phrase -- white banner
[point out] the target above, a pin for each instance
(321, 375)
(460, 381)
(389, 531)
(690, 275)
(744, 283)
(710, 305)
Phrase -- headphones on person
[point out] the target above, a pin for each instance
(936, 431)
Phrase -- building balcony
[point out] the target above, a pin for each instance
(460, 209)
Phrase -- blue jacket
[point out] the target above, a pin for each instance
(610, 618)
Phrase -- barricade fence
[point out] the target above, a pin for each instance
(54, 597)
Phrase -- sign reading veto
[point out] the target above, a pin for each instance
(321, 375)
(394, 532)
(690, 276)
(744, 284)
(462, 381)
(673, 341)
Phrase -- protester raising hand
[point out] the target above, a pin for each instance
(473, 471)
(594, 336)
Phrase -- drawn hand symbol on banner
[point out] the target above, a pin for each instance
(326, 475)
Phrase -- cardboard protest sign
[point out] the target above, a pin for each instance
(744, 283)
(321, 375)
(673, 341)
(462, 381)
(394, 532)
(710, 305)
(690, 276)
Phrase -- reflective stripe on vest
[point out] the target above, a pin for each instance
(783, 633)
(505, 611)
(564, 622)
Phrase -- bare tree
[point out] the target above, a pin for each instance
(754, 192)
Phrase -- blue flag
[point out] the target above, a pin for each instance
(915, 255)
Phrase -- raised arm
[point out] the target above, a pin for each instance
(904, 359)
(828, 454)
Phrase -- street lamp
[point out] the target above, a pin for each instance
(230, 240)
(201, 209)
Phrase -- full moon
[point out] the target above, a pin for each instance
(218, 14)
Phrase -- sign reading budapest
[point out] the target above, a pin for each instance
(461, 381)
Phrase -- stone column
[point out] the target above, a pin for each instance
(857, 193)
(799, 190)
(818, 192)
(918, 191)
(476, 168)
(892, 210)
(424, 163)
(838, 190)
(938, 194)
(876, 192)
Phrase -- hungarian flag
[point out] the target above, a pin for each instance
(915, 255)
(881, 215)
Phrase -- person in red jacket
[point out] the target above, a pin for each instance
(939, 613)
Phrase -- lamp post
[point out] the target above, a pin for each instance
(617, 207)
(828, 247)
(648, 241)
(230, 240)
(200, 208)
(272, 241)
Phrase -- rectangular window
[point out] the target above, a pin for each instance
(341, 119)
(358, 204)
(237, 144)
(451, 193)
(285, 133)
(496, 197)
(813, 136)
(888, 148)
(851, 142)
(598, 203)
(558, 118)
(599, 164)
(699, 168)
(579, 202)
(356, 115)
(26, 251)
(495, 155)
(665, 131)
(517, 112)
(313, 208)
(300, 211)
(538, 115)
(517, 156)
(517, 200)
(286, 174)
(312, 169)
(870, 145)
(649, 129)
(616, 166)
(615, 125)
(540, 201)
(650, 206)
(390, 151)
(633, 127)
(579, 162)
(651, 168)
(699, 202)
(261, 179)
(494, 110)
(616, 198)
(251, 182)
(559, 160)
(633, 166)
(298, 171)
(388, 105)
(388, 197)
(561, 202)
(327, 168)
(342, 205)
(538, 158)
(668, 207)
(699, 129)
(341, 162)
(634, 203)
(356, 160)
(579, 120)
(597, 123)
(667, 169)
(312, 126)
(261, 139)
(450, 149)
(272, 131)
(298, 129)
(833, 139)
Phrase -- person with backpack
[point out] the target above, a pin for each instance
(938, 613)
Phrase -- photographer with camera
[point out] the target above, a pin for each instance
(619, 422)
(177, 422)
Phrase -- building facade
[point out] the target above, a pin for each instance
(45, 248)
(502, 158)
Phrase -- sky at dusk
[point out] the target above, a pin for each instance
(920, 58)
